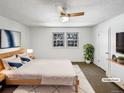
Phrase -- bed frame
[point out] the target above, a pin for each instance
(26, 81)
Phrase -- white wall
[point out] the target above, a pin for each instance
(12, 25)
(41, 42)
(116, 25)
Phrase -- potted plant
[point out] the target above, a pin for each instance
(120, 59)
(88, 53)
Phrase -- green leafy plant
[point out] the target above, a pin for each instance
(88, 52)
(120, 57)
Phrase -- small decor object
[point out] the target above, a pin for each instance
(58, 39)
(88, 53)
(72, 39)
(114, 58)
(120, 59)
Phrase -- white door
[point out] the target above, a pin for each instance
(104, 50)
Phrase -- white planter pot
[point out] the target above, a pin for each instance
(88, 61)
(120, 61)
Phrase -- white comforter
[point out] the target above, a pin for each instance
(51, 72)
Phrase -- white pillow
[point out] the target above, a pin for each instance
(6, 65)
(9, 58)
(23, 54)
(12, 59)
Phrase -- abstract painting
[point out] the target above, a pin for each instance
(58, 39)
(9, 39)
(72, 39)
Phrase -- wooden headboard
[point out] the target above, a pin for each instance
(9, 54)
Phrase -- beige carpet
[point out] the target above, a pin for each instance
(84, 87)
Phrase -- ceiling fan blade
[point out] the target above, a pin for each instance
(63, 14)
(75, 14)
(62, 11)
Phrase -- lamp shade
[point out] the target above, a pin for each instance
(29, 50)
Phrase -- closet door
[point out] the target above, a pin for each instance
(104, 52)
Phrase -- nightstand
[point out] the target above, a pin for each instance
(2, 80)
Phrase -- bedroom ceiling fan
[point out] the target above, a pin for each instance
(64, 16)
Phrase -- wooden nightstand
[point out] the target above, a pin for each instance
(2, 79)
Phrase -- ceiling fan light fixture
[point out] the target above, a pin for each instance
(64, 19)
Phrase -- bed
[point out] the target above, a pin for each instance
(41, 72)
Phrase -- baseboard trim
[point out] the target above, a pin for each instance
(77, 61)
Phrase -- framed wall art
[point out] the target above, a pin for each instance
(72, 39)
(58, 39)
(9, 39)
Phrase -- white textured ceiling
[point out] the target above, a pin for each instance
(45, 13)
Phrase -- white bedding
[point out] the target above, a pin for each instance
(51, 72)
